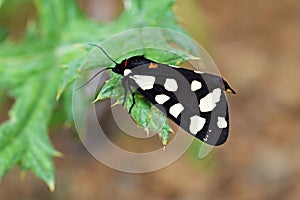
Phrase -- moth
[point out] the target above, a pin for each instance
(194, 100)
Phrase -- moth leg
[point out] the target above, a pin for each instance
(133, 99)
(125, 92)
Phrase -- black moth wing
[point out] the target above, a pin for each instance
(170, 90)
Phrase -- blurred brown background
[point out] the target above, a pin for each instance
(256, 45)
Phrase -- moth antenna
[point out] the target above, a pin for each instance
(93, 77)
(95, 45)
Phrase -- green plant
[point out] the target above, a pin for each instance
(39, 69)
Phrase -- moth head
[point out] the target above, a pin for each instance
(119, 68)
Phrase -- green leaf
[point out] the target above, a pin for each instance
(112, 88)
(48, 59)
(24, 139)
(137, 14)
(30, 72)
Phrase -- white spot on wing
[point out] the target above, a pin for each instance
(144, 82)
(126, 72)
(206, 138)
(171, 85)
(209, 102)
(198, 72)
(196, 85)
(196, 124)
(222, 123)
(176, 109)
(161, 98)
